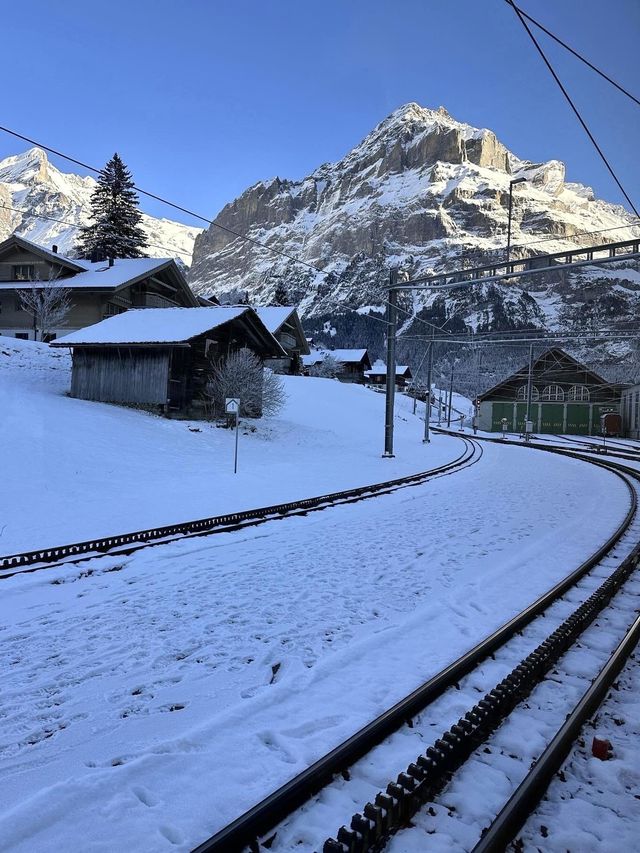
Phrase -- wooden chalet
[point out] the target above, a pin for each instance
(98, 290)
(162, 357)
(567, 397)
(352, 363)
(284, 324)
(377, 376)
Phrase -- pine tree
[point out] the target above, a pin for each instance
(115, 231)
(280, 296)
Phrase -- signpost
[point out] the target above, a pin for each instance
(232, 407)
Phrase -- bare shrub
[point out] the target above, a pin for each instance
(242, 375)
(49, 304)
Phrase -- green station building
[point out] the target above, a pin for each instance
(566, 397)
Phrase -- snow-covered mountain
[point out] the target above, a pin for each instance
(430, 193)
(34, 193)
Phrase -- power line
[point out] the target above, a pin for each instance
(572, 105)
(575, 53)
(259, 243)
(241, 236)
(26, 214)
(325, 299)
(165, 201)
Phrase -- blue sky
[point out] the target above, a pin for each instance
(204, 97)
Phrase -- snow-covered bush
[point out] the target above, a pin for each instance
(325, 369)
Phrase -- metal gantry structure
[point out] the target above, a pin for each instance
(496, 271)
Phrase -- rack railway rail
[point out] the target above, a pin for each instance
(393, 808)
(128, 543)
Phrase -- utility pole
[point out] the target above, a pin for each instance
(392, 323)
(439, 408)
(450, 398)
(427, 414)
(476, 404)
(527, 417)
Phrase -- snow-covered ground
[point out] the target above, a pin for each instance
(590, 797)
(73, 470)
(148, 700)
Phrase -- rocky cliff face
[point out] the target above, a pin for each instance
(429, 193)
(33, 194)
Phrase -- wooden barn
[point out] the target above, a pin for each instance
(566, 397)
(161, 356)
(284, 324)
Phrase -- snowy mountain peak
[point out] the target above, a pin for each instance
(425, 191)
(30, 165)
(46, 205)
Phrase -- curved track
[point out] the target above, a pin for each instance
(394, 807)
(128, 543)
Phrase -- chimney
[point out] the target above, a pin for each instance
(54, 249)
(110, 262)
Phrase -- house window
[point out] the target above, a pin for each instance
(22, 336)
(579, 393)
(553, 393)
(522, 393)
(24, 272)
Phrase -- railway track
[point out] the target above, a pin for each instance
(128, 543)
(577, 446)
(548, 629)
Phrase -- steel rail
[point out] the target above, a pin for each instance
(429, 774)
(523, 802)
(267, 814)
(51, 557)
(566, 448)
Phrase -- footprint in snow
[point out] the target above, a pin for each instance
(146, 797)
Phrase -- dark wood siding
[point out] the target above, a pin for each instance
(121, 375)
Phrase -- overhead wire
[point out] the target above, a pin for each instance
(572, 105)
(575, 53)
(252, 240)
(27, 214)
(261, 244)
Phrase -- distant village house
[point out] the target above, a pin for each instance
(377, 376)
(351, 363)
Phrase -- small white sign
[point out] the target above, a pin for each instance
(232, 405)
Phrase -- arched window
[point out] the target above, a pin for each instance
(579, 393)
(553, 393)
(522, 393)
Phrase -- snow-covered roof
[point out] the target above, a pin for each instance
(313, 358)
(36, 248)
(100, 274)
(348, 356)
(153, 326)
(342, 356)
(381, 370)
(273, 316)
